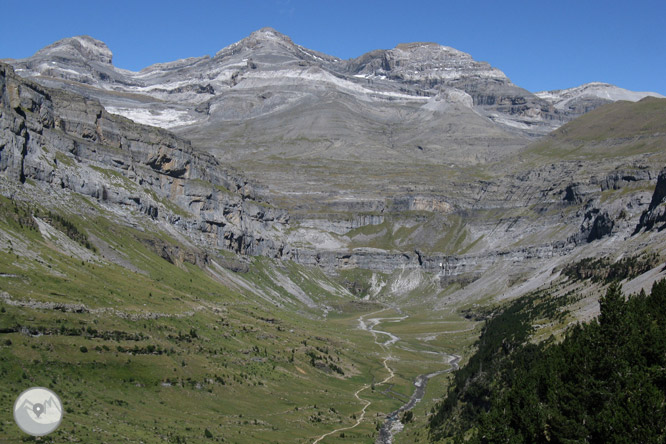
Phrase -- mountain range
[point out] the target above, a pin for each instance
(275, 186)
(265, 96)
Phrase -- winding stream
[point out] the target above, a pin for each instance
(392, 424)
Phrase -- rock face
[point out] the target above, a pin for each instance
(655, 215)
(70, 142)
(597, 224)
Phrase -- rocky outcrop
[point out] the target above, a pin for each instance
(621, 178)
(655, 215)
(70, 142)
(575, 192)
(601, 225)
(659, 191)
(596, 223)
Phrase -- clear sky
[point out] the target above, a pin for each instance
(539, 44)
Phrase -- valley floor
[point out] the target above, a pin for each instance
(131, 344)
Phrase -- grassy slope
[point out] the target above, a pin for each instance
(611, 131)
(166, 339)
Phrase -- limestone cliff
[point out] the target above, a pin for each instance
(70, 142)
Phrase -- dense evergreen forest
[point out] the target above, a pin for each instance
(604, 383)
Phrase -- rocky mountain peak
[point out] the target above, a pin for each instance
(271, 46)
(431, 48)
(584, 98)
(79, 47)
(262, 39)
(269, 34)
(597, 89)
(422, 62)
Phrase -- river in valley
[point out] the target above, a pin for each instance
(392, 424)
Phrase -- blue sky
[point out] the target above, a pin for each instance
(538, 44)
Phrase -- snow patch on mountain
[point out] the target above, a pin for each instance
(167, 118)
